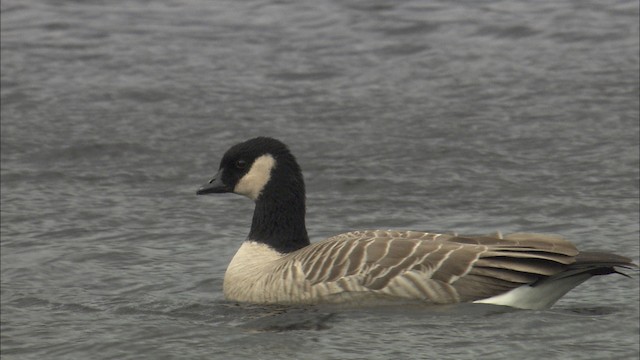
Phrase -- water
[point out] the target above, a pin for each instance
(467, 116)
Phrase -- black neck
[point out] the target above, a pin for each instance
(279, 219)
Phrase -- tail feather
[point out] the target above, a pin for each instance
(603, 259)
(548, 289)
(592, 263)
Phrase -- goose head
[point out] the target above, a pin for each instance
(264, 170)
(250, 167)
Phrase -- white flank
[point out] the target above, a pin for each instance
(252, 183)
(541, 296)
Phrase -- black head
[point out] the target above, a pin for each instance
(248, 167)
(264, 170)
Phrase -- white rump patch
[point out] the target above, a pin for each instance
(541, 296)
(252, 183)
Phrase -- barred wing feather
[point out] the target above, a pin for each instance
(437, 268)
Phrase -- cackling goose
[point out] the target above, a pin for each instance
(277, 264)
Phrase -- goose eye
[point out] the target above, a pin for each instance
(241, 164)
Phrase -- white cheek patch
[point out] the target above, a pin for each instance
(252, 183)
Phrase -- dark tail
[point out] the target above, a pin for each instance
(602, 263)
(594, 263)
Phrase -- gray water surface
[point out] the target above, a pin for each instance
(470, 116)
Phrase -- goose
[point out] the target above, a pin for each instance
(277, 264)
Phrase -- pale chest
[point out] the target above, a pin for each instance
(255, 275)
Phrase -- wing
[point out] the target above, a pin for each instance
(437, 268)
